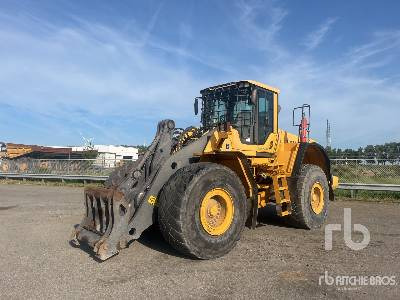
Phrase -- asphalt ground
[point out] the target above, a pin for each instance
(272, 261)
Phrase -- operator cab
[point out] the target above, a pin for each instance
(248, 106)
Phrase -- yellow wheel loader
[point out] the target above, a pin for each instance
(202, 185)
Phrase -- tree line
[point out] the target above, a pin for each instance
(386, 151)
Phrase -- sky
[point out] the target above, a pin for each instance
(110, 70)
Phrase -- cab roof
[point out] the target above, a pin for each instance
(251, 82)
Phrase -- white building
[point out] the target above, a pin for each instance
(110, 155)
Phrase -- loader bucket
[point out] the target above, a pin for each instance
(105, 208)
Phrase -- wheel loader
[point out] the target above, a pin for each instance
(203, 185)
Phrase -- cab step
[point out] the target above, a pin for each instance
(282, 195)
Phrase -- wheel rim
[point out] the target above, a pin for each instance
(317, 198)
(216, 211)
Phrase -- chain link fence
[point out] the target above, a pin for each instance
(367, 170)
(377, 171)
(91, 167)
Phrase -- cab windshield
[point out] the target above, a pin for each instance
(233, 104)
(230, 105)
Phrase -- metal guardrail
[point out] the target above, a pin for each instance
(53, 176)
(370, 187)
(353, 187)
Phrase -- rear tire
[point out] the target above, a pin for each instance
(182, 200)
(309, 193)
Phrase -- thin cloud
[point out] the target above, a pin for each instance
(315, 38)
(263, 34)
(152, 23)
(382, 42)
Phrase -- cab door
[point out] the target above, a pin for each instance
(264, 116)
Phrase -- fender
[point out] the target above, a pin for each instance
(315, 154)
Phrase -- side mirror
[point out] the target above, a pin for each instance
(279, 108)
(253, 97)
(196, 106)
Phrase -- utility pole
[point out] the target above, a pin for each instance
(328, 135)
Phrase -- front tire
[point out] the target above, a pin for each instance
(309, 193)
(202, 210)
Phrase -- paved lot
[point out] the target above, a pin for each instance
(36, 260)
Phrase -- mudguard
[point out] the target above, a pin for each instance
(314, 153)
